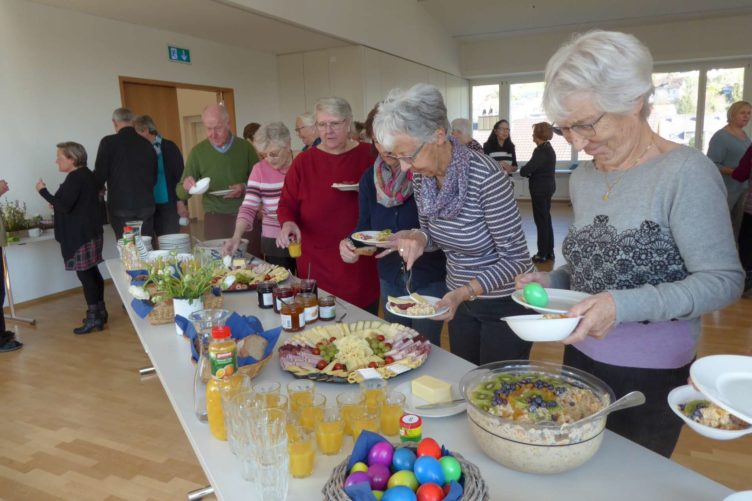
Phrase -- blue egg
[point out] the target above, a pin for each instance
(428, 469)
(403, 459)
(399, 493)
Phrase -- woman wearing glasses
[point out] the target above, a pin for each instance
(467, 209)
(500, 147)
(651, 239)
(314, 213)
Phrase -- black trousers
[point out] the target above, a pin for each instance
(745, 242)
(652, 425)
(542, 217)
(119, 217)
(2, 292)
(93, 285)
(166, 220)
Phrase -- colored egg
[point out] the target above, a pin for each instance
(359, 466)
(358, 477)
(379, 475)
(381, 453)
(403, 459)
(399, 493)
(428, 469)
(403, 478)
(535, 295)
(451, 468)
(430, 492)
(429, 447)
(378, 495)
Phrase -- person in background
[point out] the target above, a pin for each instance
(462, 129)
(228, 161)
(305, 127)
(725, 150)
(127, 164)
(262, 194)
(541, 170)
(466, 208)
(8, 340)
(249, 133)
(358, 132)
(651, 241)
(500, 147)
(742, 174)
(169, 172)
(387, 203)
(319, 216)
(78, 229)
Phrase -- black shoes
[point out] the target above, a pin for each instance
(102, 311)
(92, 321)
(542, 259)
(8, 342)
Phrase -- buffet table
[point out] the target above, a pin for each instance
(619, 470)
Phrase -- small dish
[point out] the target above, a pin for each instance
(535, 328)
(686, 393)
(200, 187)
(401, 313)
(412, 402)
(559, 300)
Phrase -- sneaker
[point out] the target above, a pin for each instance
(9, 343)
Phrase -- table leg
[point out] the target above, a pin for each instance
(9, 292)
(200, 493)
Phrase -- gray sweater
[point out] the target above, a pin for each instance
(662, 245)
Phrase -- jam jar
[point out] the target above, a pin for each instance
(293, 316)
(310, 304)
(279, 293)
(265, 294)
(327, 307)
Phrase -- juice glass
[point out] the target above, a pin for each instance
(330, 431)
(391, 412)
(310, 414)
(347, 402)
(302, 453)
(269, 391)
(364, 418)
(374, 392)
(295, 249)
(300, 394)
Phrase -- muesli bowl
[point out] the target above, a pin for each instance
(534, 416)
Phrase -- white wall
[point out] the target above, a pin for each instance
(59, 81)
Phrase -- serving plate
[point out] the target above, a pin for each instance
(345, 186)
(412, 403)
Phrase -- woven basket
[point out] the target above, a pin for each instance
(474, 487)
(253, 370)
(164, 313)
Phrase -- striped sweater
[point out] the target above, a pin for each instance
(485, 241)
(264, 189)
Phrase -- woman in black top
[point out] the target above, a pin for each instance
(541, 171)
(78, 228)
(500, 147)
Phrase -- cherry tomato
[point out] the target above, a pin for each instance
(387, 346)
(338, 367)
(316, 351)
(373, 365)
(322, 365)
(380, 337)
(389, 360)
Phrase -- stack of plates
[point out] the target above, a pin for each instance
(178, 242)
(147, 243)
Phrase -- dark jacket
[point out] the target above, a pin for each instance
(77, 219)
(127, 163)
(173, 165)
(505, 152)
(541, 169)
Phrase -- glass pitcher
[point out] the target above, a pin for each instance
(203, 321)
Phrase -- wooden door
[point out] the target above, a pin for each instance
(158, 101)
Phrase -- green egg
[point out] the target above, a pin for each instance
(535, 295)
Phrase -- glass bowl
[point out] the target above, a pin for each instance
(535, 447)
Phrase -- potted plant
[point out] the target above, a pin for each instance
(14, 218)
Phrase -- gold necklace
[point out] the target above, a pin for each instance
(611, 186)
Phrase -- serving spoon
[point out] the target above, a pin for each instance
(631, 399)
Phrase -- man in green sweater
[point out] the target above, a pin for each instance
(227, 160)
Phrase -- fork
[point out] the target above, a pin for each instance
(408, 275)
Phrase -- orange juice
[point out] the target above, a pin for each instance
(214, 403)
(300, 394)
(348, 402)
(309, 416)
(302, 454)
(374, 392)
(390, 417)
(330, 435)
(364, 419)
(294, 248)
(223, 365)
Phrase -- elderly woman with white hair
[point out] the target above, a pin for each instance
(651, 241)
(462, 129)
(305, 127)
(318, 215)
(466, 208)
(262, 193)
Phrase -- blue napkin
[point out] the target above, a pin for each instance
(137, 273)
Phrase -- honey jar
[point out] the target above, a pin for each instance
(327, 307)
(310, 304)
(279, 293)
(293, 316)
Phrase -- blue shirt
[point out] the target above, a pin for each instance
(160, 188)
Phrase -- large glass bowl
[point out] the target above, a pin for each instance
(535, 447)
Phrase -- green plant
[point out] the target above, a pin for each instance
(14, 215)
(180, 279)
(33, 222)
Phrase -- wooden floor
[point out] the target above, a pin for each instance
(79, 423)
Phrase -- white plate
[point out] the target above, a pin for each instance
(345, 187)
(736, 388)
(684, 394)
(370, 238)
(717, 376)
(411, 402)
(220, 193)
(559, 300)
(739, 496)
(200, 187)
(401, 313)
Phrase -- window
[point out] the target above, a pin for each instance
(485, 110)
(674, 113)
(526, 110)
(723, 88)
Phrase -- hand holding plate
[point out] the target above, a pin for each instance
(599, 317)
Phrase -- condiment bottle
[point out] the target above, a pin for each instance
(265, 291)
(327, 308)
(224, 367)
(293, 316)
(278, 294)
(129, 255)
(411, 428)
(310, 304)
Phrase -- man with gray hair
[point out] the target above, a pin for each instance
(462, 130)
(305, 126)
(127, 164)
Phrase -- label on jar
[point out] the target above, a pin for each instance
(278, 306)
(326, 312)
(286, 322)
(312, 313)
(267, 299)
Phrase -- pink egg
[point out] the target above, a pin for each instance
(379, 475)
(381, 453)
(358, 477)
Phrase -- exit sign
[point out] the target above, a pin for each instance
(179, 55)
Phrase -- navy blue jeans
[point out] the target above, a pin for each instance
(429, 328)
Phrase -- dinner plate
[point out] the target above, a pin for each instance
(200, 187)
(412, 402)
(684, 394)
(369, 237)
(401, 313)
(345, 187)
(722, 379)
(559, 300)
(220, 193)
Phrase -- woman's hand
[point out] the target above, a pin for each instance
(538, 277)
(238, 190)
(347, 251)
(289, 233)
(40, 185)
(598, 317)
(409, 243)
(230, 246)
(452, 300)
(189, 183)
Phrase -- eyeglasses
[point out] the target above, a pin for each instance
(409, 160)
(332, 125)
(584, 130)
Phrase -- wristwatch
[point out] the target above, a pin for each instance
(473, 296)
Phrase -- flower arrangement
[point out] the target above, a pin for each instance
(173, 279)
(14, 216)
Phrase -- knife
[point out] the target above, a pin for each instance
(440, 405)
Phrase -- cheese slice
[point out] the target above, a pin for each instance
(396, 300)
(431, 389)
(418, 298)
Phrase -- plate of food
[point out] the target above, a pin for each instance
(704, 417)
(346, 353)
(432, 398)
(725, 380)
(345, 186)
(246, 279)
(557, 301)
(372, 237)
(414, 306)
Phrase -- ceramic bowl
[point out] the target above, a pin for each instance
(536, 328)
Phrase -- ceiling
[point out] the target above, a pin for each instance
(484, 18)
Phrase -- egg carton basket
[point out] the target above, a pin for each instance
(164, 312)
(473, 485)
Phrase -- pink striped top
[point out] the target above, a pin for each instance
(263, 191)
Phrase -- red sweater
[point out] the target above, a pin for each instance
(326, 216)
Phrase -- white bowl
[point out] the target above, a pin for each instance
(536, 328)
(687, 393)
(200, 187)
(156, 254)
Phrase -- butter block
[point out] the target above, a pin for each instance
(431, 389)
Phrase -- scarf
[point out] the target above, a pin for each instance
(447, 201)
(391, 190)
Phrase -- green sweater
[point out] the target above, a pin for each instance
(224, 169)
